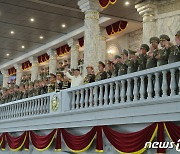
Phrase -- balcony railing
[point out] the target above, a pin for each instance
(158, 82)
(147, 85)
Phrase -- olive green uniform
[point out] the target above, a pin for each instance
(89, 78)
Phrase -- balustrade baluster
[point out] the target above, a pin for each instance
(150, 87)
(123, 91)
(129, 90)
(111, 94)
(173, 82)
(135, 89)
(77, 99)
(73, 100)
(100, 95)
(142, 88)
(35, 106)
(164, 84)
(117, 93)
(91, 97)
(179, 82)
(95, 96)
(106, 95)
(82, 99)
(86, 98)
(157, 85)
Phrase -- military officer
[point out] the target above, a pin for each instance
(21, 91)
(52, 84)
(15, 93)
(4, 95)
(177, 39)
(66, 83)
(117, 64)
(36, 90)
(123, 67)
(90, 77)
(108, 69)
(25, 94)
(142, 57)
(151, 58)
(31, 89)
(131, 62)
(101, 75)
(60, 78)
(163, 53)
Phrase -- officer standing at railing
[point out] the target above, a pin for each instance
(131, 62)
(52, 83)
(31, 89)
(90, 77)
(101, 75)
(123, 67)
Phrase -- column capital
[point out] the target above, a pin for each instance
(18, 67)
(102, 33)
(52, 53)
(73, 42)
(33, 60)
(147, 9)
(86, 5)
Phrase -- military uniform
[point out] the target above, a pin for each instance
(117, 66)
(66, 84)
(131, 63)
(101, 75)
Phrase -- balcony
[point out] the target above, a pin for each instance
(141, 97)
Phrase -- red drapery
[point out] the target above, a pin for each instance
(63, 49)
(173, 131)
(123, 142)
(26, 65)
(131, 142)
(43, 58)
(81, 41)
(16, 143)
(42, 142)
(79, 143)
(116, 27)
(12, 71)
(105, 3)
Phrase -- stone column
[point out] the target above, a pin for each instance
(52, 61)
(91, 39)
(102, 45)
(5, 77)
(74, 52)
(147, 10)
(34, 68)
(19, 70)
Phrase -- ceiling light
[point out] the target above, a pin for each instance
(41, 37)
(7, 54)
(23, 46)
(32, 19)
(109, 51)
(127, 3)
(12, 32)
(63, 25)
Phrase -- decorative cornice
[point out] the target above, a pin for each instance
(86, 5)
(72, 42)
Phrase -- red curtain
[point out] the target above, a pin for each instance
(16, 143)
(43, 58)
(81, 41)
(42, 142)
(173, 131)
(105, 3)
(79, 143)
(63, 49)
(26, 65)
(160, 137)
(116, 27)
(58, 140)
(12, 71)
(131, 142)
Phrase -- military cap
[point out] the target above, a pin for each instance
(178, 33)
(145, 46)
(117, 56)
(31, 83)
(89, 66)
(60, 62)
(154, 39)
(16, 86)
(164, 37)
(53, 75)
(72, 69)
(77, 69)
(101, 63)
(131, 52)
(21, 84)
(124, 52)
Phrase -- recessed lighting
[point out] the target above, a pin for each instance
(41, 37)
(127, 3)
(23, 46)
(63, 25)
(7, 54)
(32, 19)
(12, 32)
